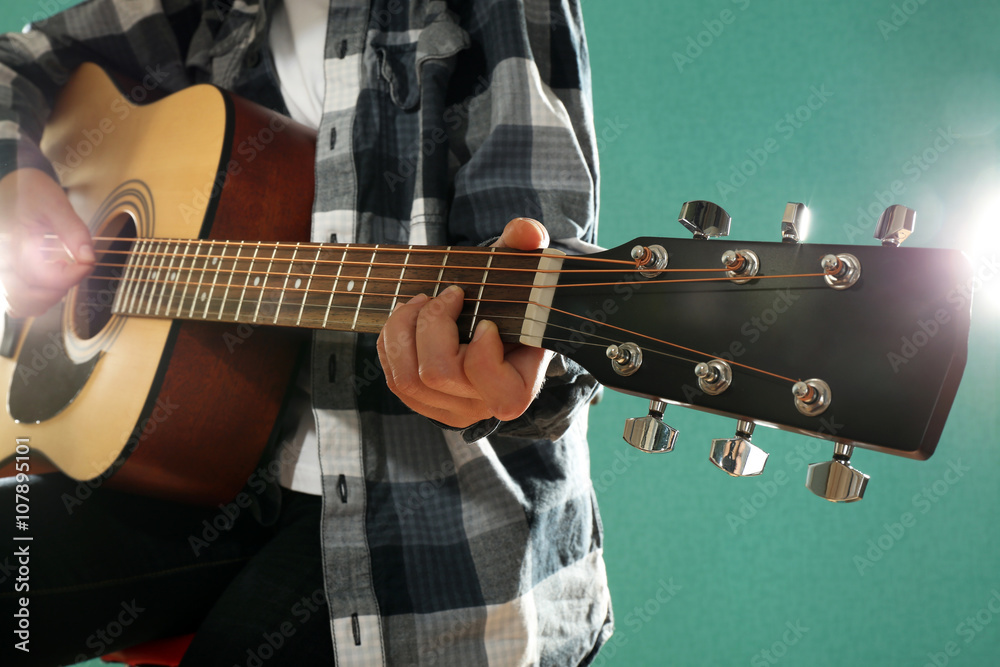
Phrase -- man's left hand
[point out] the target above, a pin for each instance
(460, 384)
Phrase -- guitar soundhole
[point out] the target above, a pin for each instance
(96, 295)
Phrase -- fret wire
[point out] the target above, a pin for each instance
(217, 261)
(201, 277)
(173, 277)
(441, 272)
(165, 273)
(336, 280)
(284, 285)
(305, 294)
(263, 285)
(364, 285)
(402, 272)
(229, 283)
(147, 271)
(187, 283)
(127, 283)
(247, 282)
(482, 285)
(131, 304)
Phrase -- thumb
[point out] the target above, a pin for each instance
(523, 234)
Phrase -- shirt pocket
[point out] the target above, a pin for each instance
(401, 54)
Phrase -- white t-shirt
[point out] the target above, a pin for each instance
(298, 41)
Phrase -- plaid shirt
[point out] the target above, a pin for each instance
(441, 122)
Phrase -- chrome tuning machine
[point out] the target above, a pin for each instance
(625, 358)
(837, 480)
(714, 377)
(704, 219)
(649, 260)
(795, 223)
(737, 455)
(650, 434)
(895, 224)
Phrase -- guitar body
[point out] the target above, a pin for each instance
(175, 409)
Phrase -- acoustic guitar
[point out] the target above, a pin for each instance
(166, 369)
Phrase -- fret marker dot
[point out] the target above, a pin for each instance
(173, 276)
(256, 281)
(298, 281)
(215, 260)
(350, 286)
(204, 295)
(155, 274)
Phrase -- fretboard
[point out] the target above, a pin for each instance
(343, 287)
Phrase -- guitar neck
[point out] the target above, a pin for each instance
(342, 287)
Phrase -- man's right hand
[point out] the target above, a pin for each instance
(34, 278)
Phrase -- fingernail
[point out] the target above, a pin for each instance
(85, 254)
(480, 330)
(539, 226)
(455, 290)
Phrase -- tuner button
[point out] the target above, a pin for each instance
(704, 219)
(895, 225)
(714, 377)
(650, 434)
(795, 223)
(837, 480)
(737, 455)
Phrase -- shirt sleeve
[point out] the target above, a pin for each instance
(528, 149)
(144, 41)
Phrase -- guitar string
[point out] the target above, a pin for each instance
(360, 307)
(283, 274)
(149, 268)
(458, 250)
(365, 250)
(511, 337)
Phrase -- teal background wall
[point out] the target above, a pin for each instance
(685, 92)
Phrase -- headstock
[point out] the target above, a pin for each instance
(861, 346)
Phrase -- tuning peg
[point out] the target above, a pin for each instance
(704, 219)
(737, 455)
(795, 222)
(649, 433)
(837, 480)
(895, 225)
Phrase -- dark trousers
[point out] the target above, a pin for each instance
(116, 569)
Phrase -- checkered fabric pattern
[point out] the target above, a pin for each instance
(441, 122)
